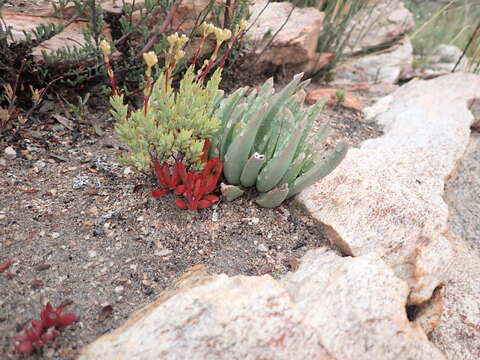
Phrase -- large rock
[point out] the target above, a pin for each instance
(215, 318)
(358, 305)
(379, 23)
(458, 331)
(386, 197)
(331, 308)
(296, 42)
(382, 66)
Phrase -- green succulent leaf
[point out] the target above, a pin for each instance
(274, 197)
(319, 170)
(251, 170)
(276, 168)
(239, 150)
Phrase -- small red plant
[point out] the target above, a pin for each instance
(44, 330)
(196, 188)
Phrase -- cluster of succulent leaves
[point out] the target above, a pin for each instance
(45, 329)
(266, 140)
(175, 125)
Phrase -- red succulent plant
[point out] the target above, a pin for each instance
(44, 330)
(196, 188)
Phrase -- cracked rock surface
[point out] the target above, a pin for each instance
(331, 308)
(387, 196)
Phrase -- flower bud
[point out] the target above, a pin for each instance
(150, 58)
(105, 47)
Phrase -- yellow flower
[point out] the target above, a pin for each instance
(244, 25)
(179, 55)
(172, 40)
(222, 35)
(105, 46)
(150, 58)
(182, 41)
(207, 29)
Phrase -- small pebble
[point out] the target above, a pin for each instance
(262, 247)
(10, 153)
(163, 252)
(92, 253)
(119, 289)
(55, 235)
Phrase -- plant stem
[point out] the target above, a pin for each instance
(162, 29)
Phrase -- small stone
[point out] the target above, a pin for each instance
(42, 267)
(36, 284)
(92, 253)
(40, 164)
(262, 247)
(127, 171)
(119, 289)
(80, 182)
(10, 153)
(140, 219)
(163, 252)
(55, 235)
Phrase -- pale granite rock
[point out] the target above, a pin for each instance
(217, 318)
(379, 23)
(386, 197)
(382, 66)
(331, 308)
(296, 42)
(358, 305)
(458, 330)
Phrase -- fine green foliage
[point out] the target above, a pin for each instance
(266, 140)
(175, 125)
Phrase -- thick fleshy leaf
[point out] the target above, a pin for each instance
(158, 193)
(239, 151)
(180, 189)
(251, 169)
(274, 197)
(65, 320)
(276, 168)
(231, 192)
(211, 198)
(24, 347)
(319, 170)
(159, 174)
(181, 204)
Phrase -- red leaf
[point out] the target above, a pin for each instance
(66, 319)
(197, 189)
(203, 204)
(166, 174)
(174, 179)
(193, 205)
(158, 193)
(182, 172)
(49, 335)
(21, 337)
(211, 198)
(181, 204)
(180, 189)
(24, 347)
(158, 172)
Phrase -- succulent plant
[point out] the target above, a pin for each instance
(266, 140)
